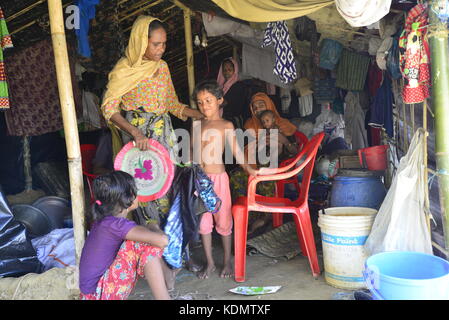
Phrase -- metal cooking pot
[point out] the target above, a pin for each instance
(35, 221)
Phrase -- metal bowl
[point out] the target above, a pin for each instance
(56, 208)
(35, 221)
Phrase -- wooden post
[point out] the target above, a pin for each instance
(439, 51)
(189, 49)
(70, 122)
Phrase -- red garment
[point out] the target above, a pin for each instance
(375, 77)
(414, 57)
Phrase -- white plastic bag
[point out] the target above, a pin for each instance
(400, 224)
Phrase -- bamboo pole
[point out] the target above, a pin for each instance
(70, 122)
(439, 51)
(189, 49)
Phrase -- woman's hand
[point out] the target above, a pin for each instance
(140, 141)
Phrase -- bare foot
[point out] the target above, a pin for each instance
(170, 279)
(227, 271)
(192, 266)
(206, 272)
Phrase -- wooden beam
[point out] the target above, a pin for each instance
(140, 10)
(25, 10)
(31, 22)
(70, 123)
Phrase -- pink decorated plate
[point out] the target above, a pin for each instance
(152, 169)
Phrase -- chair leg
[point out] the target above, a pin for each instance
(277, 217)
(240, 214)
(307, 241)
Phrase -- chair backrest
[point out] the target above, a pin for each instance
(306, 160)
(301, 139)
(87, 155)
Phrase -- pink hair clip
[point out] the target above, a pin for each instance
(98, 202)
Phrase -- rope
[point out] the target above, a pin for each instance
(438, 172)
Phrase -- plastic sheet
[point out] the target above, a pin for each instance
(17, 255)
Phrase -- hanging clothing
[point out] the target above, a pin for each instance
(330, 53)
(324, 90)
(352, 70)
(305, 105)
(34, 96)
(277, 34)
(361, 13)
(414, 56)
(5, 43)
(355, 132)
(87, 12)
(382, 108)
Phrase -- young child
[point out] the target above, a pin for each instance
(212, 133)
(118, 250)
(286, 149)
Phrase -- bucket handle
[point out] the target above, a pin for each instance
(370, 281)
(362, 158)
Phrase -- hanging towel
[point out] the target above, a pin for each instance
(305, 105)
(352, 70)
(5, 43)
(330, 53)
(277, 34)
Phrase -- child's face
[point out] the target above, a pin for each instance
(267, 121)
(208, 103)
(135, 205)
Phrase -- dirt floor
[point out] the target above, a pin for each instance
(293, 275)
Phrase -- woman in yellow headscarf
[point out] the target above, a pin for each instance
(140, 85)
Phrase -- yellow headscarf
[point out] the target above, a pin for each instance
(131, 69)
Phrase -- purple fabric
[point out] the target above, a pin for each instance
(100, 249)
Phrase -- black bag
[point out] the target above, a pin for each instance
(17, 255)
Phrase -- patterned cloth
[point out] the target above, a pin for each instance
(155, 95)
(34, 96)
(277, 33)
(5, 43)
(414, 56)
(119, 279)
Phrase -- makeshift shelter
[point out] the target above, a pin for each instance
(333, 60)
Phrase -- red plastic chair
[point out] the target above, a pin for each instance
(299, 208)
(87, 155)
(301, 140)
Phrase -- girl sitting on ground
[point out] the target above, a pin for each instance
(118, 250)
